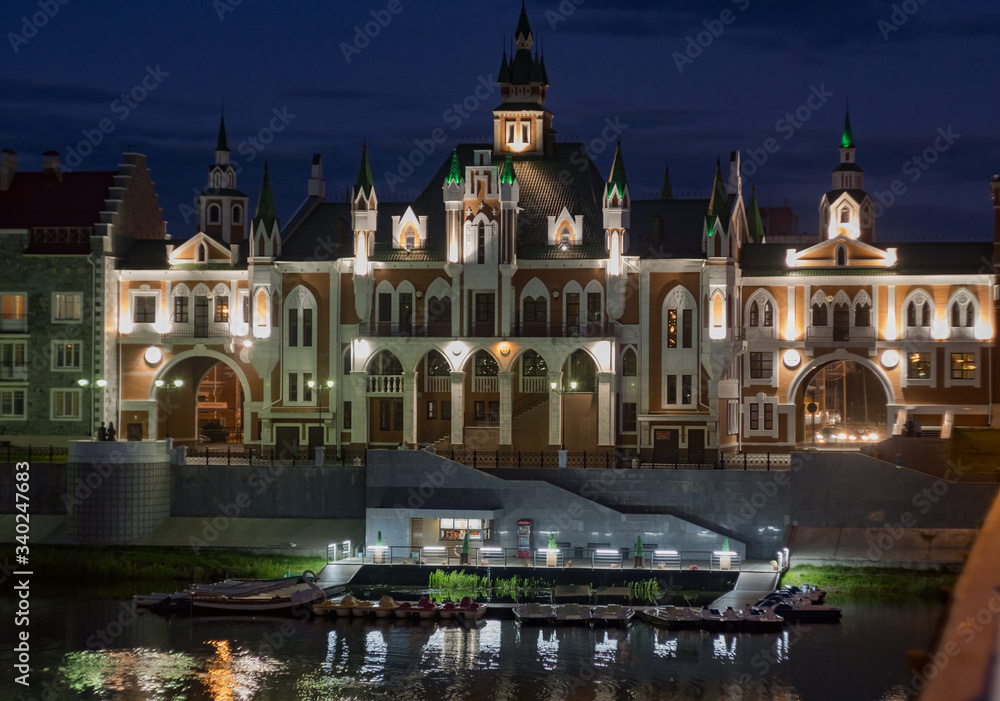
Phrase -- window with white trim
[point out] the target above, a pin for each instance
(66, 405)
(13, 361)
(144, 309)
(12, 404)
(67, 306)
(66, 355)
(761, 365)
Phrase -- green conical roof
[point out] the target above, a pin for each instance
(365, 181)
(507, 176)
(455, 173)
(221, 145)
(847, 140)
(718, 206)
(266, 211)
(666, 191)
(617, 178)
(755, 227)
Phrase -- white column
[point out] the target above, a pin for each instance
(359, 408)
(457, 407)
(409, 408)
(555, 409)
(506, 407)
(790, 313)
(605, 408)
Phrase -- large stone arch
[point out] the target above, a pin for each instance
(840, 354)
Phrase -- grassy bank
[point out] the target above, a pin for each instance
(872, 581)
(100, 566)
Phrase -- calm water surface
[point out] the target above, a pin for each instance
(103, 649)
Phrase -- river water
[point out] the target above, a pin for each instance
(85, 648)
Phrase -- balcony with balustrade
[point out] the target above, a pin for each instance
(838, 335)
(14, 323)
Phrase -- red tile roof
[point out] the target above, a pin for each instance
(50, 200)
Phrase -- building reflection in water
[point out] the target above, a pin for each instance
(138, 673)
(236, 676)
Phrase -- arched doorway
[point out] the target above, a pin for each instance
(385, 399)
(579, 402)
(198, 388)
(849, 398)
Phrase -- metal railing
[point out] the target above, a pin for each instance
(839, 334)
(13, 324)
(20, 453)
(609, 459)
(565, 558)
(274, 455)
(17, 373)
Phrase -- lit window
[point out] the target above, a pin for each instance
(12, 404)
(181, 309)
(66, 404)
(963, 366)
(68, 307)
(13, 360)
(918, 366)
(144, 309)
(222, 309)
(768, 315)
(66, 355)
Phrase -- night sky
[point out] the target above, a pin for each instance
(681, 93)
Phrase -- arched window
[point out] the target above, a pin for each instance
(261, 315)
(481, 243)
(911, 314)
(214, 214)
(410, 240)
(385, 363)
(437, 366)
(754, 314)
(862, 315)
(533, 365)
(819, 314)
(486, 365)
(237, 214)
(201, 255)
(630, 365)
(230, 181)
(841, 256)
(970, 315)
(956, 314)
(564, 236)
(845, 215)
(768, 314)
(217, 180)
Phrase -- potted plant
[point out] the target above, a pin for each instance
(640, 561)
(552, 556)
(465, 549)
(379, 552)
(725, 560)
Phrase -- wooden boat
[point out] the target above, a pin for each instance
(801, 609)
(405, 610)
(573, 614)
(272, 596)
(386, 607)
(712, 619)
(159, 602)
(533, 614)
(612, 614)
(675, 617)
(732, 618)
(761, 619)
(809, 592)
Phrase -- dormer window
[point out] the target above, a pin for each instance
(845, 216)
(216, 180)
(841, 256)
(410, 240)
(564, 236)
(237, 214)
(525, 133)
(202, 253)
(214, 214)
(511, 126)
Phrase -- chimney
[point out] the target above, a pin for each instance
(317, 186)
(735, 185)
(8, 168)
(50, 162)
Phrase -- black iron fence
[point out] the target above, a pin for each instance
(609, 459)
(274, 455)
(36, 454)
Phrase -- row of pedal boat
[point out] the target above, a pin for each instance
(387, 607)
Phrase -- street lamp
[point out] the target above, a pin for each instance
(554, 386)
(85, 383)
(319, 408)
(176, 384)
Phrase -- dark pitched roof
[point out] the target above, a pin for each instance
(666, 190)
(755, 227)
(221, 144)
(365, 180)
(851, 167)
(617, 176)
(856, 195)
(266, 211)
(223, 192)
(667, 228)
(49, 199)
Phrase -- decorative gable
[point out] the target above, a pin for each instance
(841, 251)
(202, 249)
(409, 231)
(565, 229)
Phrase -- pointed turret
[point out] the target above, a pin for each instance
(522, 35)
(365, 183)
(755, 226)
(455, 170)
(718, 206)
(666, 190)
(266, 213)
(221, 144)
(264, 228)
(847, 140)
(617, 180)
(503, 76)
(507, 176)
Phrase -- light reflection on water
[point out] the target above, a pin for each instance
(157, 658)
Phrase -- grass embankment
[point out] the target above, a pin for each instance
(975, 450)
(125, 566)
(864, 582)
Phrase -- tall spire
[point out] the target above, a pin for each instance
(522, 35)
(365, 181)
(507, 176)
(755, 226)
(222, 145)
(847, 140)
(504, 75)
(617, 178)
(266, 212)
(666, 190)
(718, 206)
